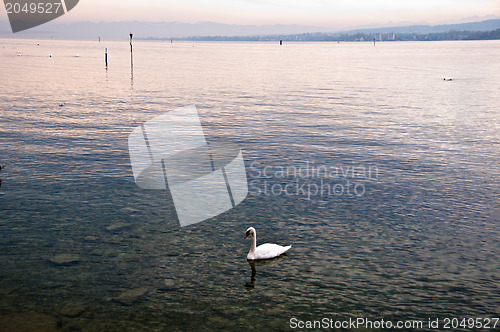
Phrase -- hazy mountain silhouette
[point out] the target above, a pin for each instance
(472, 26)
(120, 30)
(144, 30)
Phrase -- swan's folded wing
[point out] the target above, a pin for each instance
(270, 250)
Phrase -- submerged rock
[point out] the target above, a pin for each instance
(117, 226)
(130, 296)
(28, 322)
(65, 259)
(72, 310)
(167, 284)
(128, 210)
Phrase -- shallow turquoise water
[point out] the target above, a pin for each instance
(415, 238)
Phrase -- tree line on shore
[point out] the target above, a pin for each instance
(359, 36)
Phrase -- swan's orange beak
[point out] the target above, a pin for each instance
(246, 235)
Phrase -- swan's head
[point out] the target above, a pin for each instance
(250, 232)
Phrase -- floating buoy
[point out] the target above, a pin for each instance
(50, 55)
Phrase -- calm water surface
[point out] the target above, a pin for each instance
(408, 230)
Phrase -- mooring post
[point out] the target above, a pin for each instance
(131, 52)
(131, 64)
(106, 57)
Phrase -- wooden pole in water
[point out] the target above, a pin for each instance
(131, 64)
(106, 57)
(131, 53)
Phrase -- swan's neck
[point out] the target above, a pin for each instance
(254, 243)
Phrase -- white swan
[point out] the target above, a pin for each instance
(264, 251)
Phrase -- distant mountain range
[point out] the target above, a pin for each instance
(487, 25)
(144, 30)
(485, 30)
(214, 31)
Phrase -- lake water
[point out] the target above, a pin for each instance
(383, 176)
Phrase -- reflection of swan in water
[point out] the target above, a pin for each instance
(264, 251)
(253, 265)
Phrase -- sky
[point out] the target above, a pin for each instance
(325, 13)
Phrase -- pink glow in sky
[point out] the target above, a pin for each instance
(328, 13)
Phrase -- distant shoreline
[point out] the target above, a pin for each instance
(215, 40)
(357, 37)
(209, 31)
